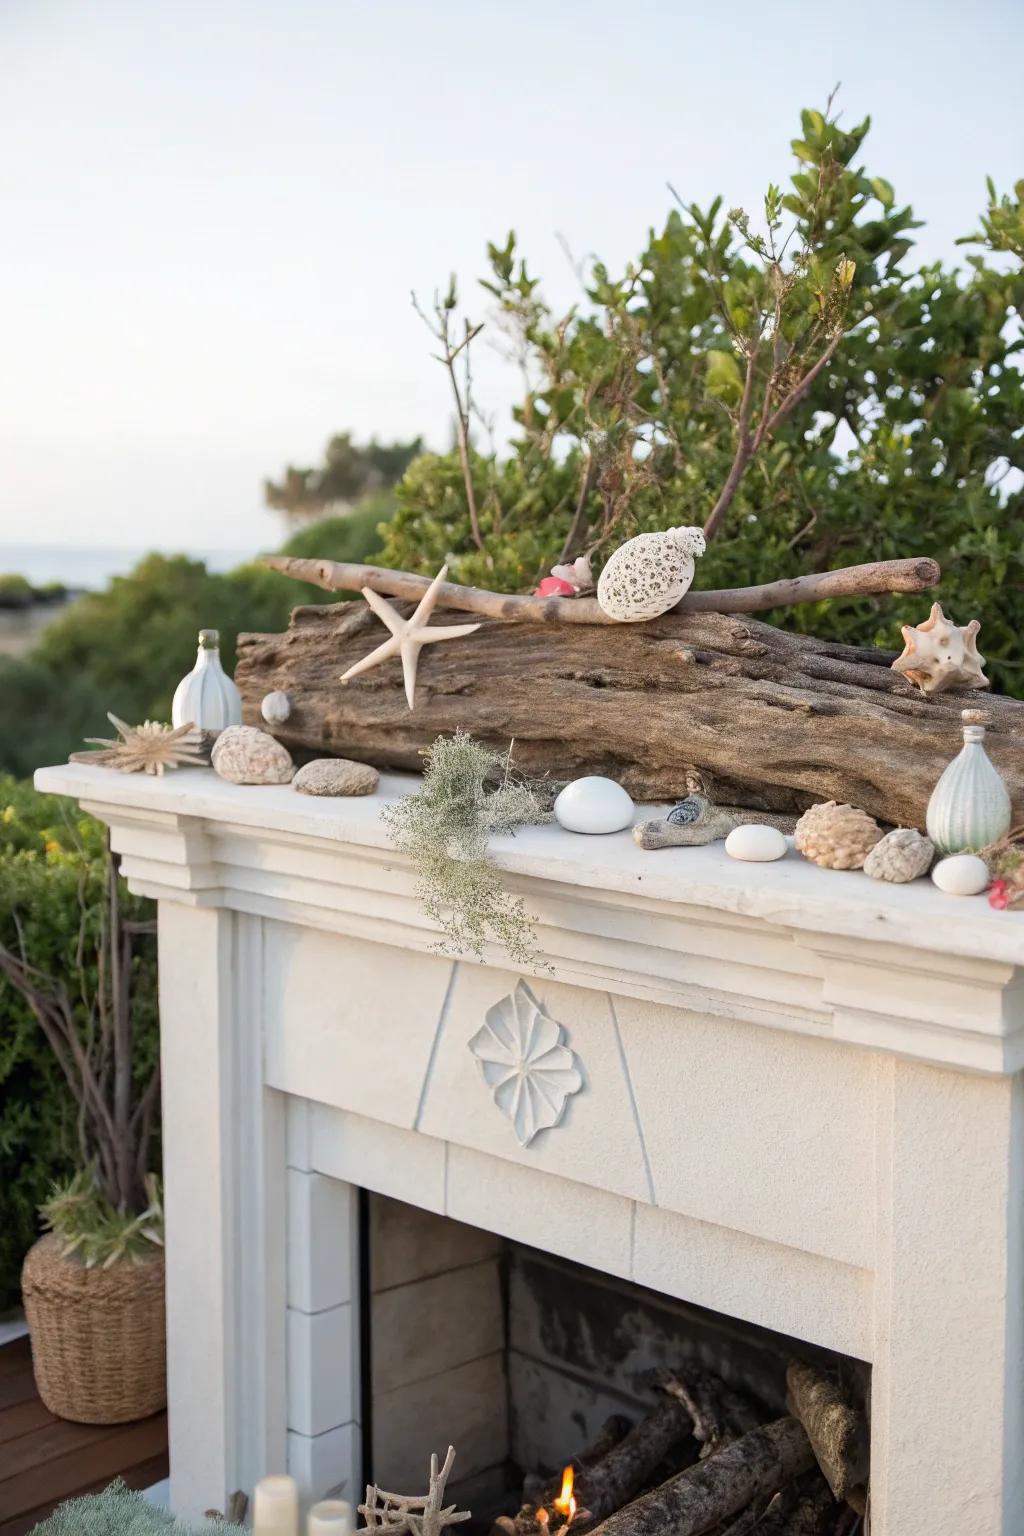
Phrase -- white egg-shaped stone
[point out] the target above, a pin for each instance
(754, 843)
(593, 804)
(276, 707)
(963, 874)
(647, 575)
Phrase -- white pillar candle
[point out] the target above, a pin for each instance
(275, 1507)
(331, 1517)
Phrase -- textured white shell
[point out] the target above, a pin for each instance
(207, 696)
(529, 1069)
(244, 755)
(901, 856)
(649, 574)
(939, 654)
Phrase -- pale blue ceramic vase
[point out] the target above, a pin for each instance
(207, 696)
(969, 807)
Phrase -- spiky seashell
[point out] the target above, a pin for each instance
(836, 836)
(244, 755)
(900, 856)
(147, 748)
(939, 654)
(648, 575)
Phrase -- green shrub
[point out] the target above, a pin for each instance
(52, 885)
(908, 442)
(15, 592)
(125, 649)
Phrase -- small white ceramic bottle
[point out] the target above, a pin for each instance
(207, 696)
(969, 807)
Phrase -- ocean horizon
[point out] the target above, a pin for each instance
(90, 567)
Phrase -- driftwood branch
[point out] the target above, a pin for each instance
(705, 1496)
(879, 576)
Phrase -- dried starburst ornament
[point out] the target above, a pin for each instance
(147, 748)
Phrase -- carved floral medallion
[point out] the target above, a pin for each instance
(525, 1062)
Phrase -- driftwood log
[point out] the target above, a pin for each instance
(706, 1495)
(762, 718)
(837, 1430)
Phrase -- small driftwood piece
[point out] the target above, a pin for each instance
(765, 719)
(914, 575)
(707, 1495)
(398, 1514)
(838, 1431)
(666, 834)
(720, 1415)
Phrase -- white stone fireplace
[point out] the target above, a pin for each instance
(784, 1095)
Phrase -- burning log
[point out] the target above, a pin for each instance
(719, 1414)
(755, 1467)
(838, 1432)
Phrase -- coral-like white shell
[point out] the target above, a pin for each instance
(939, 654)
(836, 836)
(593, 804)
(964, 874)
(901, 856)
(525, 1063)
(276, 707)
(244, 755)
(648, 575)
(753, 843)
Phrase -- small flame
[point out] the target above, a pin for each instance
(565, 1503)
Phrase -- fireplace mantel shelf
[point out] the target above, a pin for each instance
(791, 892)
(801, 1104)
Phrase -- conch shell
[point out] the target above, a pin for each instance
(939, 654)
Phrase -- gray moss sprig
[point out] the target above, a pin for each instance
(445, 828)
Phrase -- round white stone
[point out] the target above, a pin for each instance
(755, 844)
(593, 804)
(963, 874)
(276, 707)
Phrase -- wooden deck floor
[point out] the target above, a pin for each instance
(44, 1460)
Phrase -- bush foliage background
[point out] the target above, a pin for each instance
(910, 441)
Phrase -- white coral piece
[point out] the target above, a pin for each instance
(529, 1069)
(939, 654)
(578, 574)
(648, 575)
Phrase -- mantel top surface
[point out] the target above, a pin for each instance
(790, 892)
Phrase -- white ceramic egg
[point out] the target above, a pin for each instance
(963, 874)
(593, 804)
(754, 843)
(276, 707)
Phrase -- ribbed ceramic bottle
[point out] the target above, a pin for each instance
(969, 807)
(207, 696)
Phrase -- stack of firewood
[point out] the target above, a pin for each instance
(706, 1462)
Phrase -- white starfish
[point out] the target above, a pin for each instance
(408, 636)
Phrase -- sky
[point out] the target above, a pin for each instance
(213, 211)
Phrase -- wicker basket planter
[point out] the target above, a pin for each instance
(98, 1335)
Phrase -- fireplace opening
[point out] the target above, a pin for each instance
(529, 1363)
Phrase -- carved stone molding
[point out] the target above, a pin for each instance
(525, 1063)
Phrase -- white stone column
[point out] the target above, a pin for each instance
(948, 1371)
(324, 1419)
(224, 1160)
